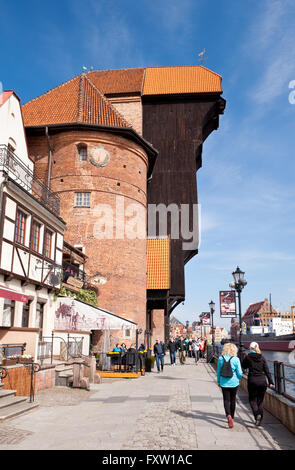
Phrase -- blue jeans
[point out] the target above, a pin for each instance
(173, 357)
(160, 359)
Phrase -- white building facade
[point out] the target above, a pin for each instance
(31, 238)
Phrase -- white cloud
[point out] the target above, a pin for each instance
(271, 42)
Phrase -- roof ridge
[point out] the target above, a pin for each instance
(51, 89)
(108, 103)
(181, 66)
(80, 98)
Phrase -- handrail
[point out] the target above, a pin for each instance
(67, 344)
(24, 177)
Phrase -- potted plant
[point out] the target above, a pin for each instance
(149, 363)
(26, 359)
(9, 360)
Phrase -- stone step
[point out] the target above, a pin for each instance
(6, 393)
(10, 401)
(62, 368)
(16, 410)
(66, 373)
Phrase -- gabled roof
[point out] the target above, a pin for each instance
(75, 101)
(84, 98)
(5, 95)
(253, 309)
(158, 263)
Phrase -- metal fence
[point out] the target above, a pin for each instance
(73, 347)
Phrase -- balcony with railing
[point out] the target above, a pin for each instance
(18, 172)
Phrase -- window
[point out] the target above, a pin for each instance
(35, 240)
(82, 200)
(47, 243)
(20, 227)
(127, 334)
(82, 151)
(8, 313)
(25, 315)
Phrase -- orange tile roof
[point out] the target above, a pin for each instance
(82, 99)
(179, 80)
(158, 263)
(118, 81)
(77, 100)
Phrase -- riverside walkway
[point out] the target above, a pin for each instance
(179, 409)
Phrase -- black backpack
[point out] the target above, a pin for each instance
(226, 370)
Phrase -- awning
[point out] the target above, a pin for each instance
(72, 314)
(10, 294)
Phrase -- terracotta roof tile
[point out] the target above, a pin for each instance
(82, 99)
(158, 263)
(118, 81)
(179, 80)
(77, 100)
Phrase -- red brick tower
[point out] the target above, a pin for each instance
(98, 165)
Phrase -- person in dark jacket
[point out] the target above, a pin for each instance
(172, 346)
(159, 352)
(181, 348)
(257, 385)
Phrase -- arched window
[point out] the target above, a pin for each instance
(82, 152)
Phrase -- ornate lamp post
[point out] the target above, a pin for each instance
(212, 310)
(239, 284)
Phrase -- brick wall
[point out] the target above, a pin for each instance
(158, 328)
(45, 379)
(131, 109)
(122, 183)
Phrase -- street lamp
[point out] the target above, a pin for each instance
(212, 310)
(239, 284)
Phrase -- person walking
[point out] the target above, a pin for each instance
(159, 352)
(229, 374)
(196, 350)
(258, 371)
(181, 349)
(172, 349)
(202, 348)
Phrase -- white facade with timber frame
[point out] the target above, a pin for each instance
(31, 238)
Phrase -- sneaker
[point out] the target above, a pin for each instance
(230, 421)
(258, 420)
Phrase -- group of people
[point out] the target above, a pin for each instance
(229, 370)
(184, 346)
(229, 373)
(120, 348)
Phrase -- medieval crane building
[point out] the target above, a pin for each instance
(110, 144)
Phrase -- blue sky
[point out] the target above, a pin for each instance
(246, 185)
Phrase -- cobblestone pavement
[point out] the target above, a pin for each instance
(179, 409)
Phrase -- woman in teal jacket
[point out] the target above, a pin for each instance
(229, 385)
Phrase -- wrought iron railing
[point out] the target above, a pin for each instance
(23, 176)
(73, 347)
